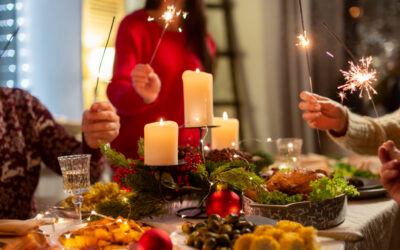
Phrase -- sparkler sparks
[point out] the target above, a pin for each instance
(303, 40)
(167, 17)
(342, 96)
(360, 77)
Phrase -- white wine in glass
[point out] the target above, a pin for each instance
(76, 178)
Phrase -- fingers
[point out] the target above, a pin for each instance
(311, 97)
(383, 155)
(93, 117)
(142, 69)
(101, 106)
(390, 170)
(100, 127)
(311, 116)
(308, 106)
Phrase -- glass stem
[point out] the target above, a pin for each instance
(77, 200)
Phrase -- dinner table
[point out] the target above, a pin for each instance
(369, 224)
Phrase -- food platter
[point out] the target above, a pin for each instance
(319, 214)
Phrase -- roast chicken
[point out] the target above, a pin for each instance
(295, 181)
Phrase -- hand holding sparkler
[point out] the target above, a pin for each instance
(323, 113)
(146, 82)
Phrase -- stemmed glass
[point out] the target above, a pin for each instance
(75, 170)
(289, 150)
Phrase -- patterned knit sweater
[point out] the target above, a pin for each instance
(364, 134)
(28, 136)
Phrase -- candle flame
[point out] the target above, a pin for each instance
(197, 70)
(224, 116)
(161, 122)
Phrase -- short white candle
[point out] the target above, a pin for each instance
(161, 143)
(227, 134)
(198, 98)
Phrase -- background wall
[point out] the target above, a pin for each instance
(52, 39)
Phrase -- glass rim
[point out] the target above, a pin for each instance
(75, 156)
(289, 139)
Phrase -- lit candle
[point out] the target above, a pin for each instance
(227, 134)
(198, 98)
(161, 143)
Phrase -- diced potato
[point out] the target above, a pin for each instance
(264, 243)
(102, 234)
(103, 243)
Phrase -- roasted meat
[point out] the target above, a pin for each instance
(294, 181)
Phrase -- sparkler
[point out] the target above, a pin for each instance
(167, 17)
(305, 43)
(359, 76)
(101, 60)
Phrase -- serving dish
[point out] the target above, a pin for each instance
(319, 214)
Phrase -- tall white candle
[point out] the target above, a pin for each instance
(227, 134)
(198, 98)
(161, 143)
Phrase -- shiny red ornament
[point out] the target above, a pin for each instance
(223, 202)
(154, 239)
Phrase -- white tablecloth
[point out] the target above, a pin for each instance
(377, 220)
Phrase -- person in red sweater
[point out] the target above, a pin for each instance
(144, 93)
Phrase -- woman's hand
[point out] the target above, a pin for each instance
(323, 113)
(390, 172)
(146, 82)
(100, 123)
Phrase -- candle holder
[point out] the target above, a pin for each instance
(202, 136)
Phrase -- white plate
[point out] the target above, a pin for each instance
(178, 240)
(54, 237)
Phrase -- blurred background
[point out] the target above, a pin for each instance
(260, 70)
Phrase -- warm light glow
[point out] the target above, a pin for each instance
(67, 236)
(59, 220)
(125, 199)
(93, 212)
(180, 29)
(303, 41)
(39, 216)
(150, 19)
(355, 12)
(161, 122)
(360, 77)
(119, 220)
(169, 14)
(197, 70)
(206, 148)
(269, 139)
(342, 96)
(94, 59)
(224, 116)
(233, 144)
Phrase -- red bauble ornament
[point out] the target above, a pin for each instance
(155, 239)
(223, 202)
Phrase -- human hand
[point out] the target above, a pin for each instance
(390, 172)
(146, 82)
(100, 123)
(323, 113)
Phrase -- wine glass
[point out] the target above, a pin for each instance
(289, 150)
(75, 170)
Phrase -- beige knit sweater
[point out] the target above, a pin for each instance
(364, 134)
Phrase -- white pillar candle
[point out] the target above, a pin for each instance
(161, 143)
(198, 98)
(227, 134)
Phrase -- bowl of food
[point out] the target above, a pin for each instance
(302, 195)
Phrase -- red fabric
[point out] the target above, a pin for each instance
(135, 43)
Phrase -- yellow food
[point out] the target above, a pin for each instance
(99, 193)
(285, 235)
(105, 234)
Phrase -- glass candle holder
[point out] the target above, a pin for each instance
(289, 150)
(75, 170)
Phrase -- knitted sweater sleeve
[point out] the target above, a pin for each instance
(364, 134)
